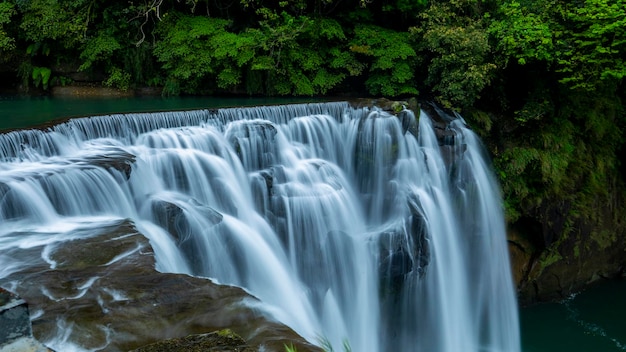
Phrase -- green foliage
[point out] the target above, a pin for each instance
(302, 56)
(561, 141)
(392, 59)
(456, 49)
(118, 79)
(194, 49)
(53, 20)
(285, 55)
(285, 63)
(326, 346)
(405, 5)
(99, 49)
(583, 41)
(565, 154)
(523, 34)
(38, 48)
(596, 45)
(41, 76)
(6, 42)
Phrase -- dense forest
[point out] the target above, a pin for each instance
(542, 81)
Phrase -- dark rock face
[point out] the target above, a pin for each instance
(16, 333)
(404, 255)
(547, 270)
(117, 160)
(103, 291)
(14, 317)
(255, 143)
(174, 220)
(394, 267)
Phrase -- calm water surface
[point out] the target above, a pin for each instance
(20, 112)
(593, 320)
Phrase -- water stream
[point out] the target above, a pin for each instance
(349, 226)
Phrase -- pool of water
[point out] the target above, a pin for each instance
(592, 320)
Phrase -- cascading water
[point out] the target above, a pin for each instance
(346, 226)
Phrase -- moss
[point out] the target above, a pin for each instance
(604, 238)
(550, 257)
(222, 340)
(227, 333)
(397, 106)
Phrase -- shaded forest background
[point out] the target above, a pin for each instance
(542, 81)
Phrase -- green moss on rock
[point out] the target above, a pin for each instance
(219, 341)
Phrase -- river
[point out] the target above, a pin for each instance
(591, 320)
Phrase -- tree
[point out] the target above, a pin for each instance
(453, 42)
(391, 57)
(302, 55)
(595, 44)
(6, 42)
(197, 49)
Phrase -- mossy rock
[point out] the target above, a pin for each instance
(219, 341)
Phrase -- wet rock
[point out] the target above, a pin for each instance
(102, 291)
(117, 160)
(445, 136)
(15, 328)
(187, 234)
(268, 176)
(391, 106)
(173, 219)
(255, 143)
(14, 317)
(404, 253)
(406, 111)
(418, 235)
(395, 266)
(218, 341)
(407, 120)
(4, 189)
(5, 211)
(24, 344)
(547, 271)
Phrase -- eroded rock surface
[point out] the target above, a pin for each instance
(102, 291)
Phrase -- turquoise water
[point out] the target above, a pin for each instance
(593, 320)
(20, 112)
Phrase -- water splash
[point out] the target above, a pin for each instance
(346, 226)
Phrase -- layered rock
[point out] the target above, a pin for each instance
(102, 292)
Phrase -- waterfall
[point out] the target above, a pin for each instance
(347, 225)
